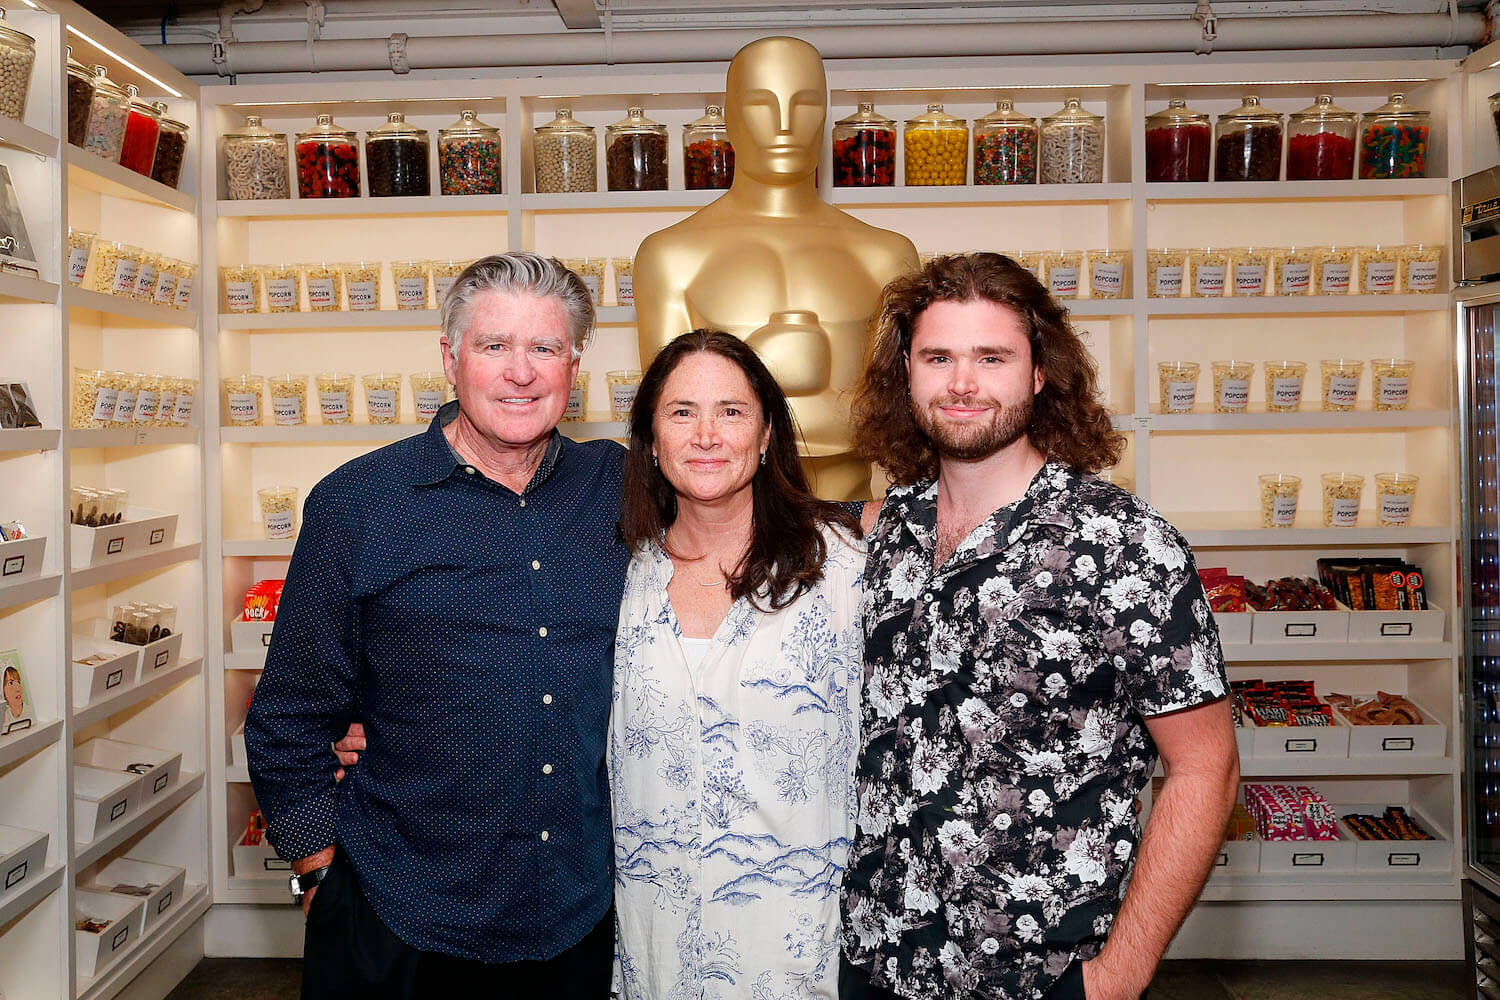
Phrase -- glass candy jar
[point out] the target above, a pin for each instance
(1072, 141)
(937, 146)
(17, 56)
(707, 156)
(635, 153)
(1005, 147)
(1393, 141)
(469, 156)
(864, 149)
(1178, 141)
(1320, 142)
(171, 148)
(565, 155)
(1247, 143)
(396, 158)
(255, 163)
(327, 161)
(80, 96)
(107, 114)
(142, 128)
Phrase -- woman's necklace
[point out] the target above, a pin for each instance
(721, 581)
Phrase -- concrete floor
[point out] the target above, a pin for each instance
(276, 979)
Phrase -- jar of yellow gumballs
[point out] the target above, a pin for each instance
(937, 148)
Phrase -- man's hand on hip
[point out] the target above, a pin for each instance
(348, 749)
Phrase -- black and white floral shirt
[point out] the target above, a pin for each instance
(1003, 743)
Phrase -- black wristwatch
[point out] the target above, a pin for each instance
(307, 881)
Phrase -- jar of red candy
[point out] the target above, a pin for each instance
(1320, 142)
(1005, 147)
(1393, 141)
(327, 161)
(707, 156)
(864, 149)
(1247, 146)
(142, 128)
(1178, 140)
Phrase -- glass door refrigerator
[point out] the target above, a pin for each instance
(1476, 265)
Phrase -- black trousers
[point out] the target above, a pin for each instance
(854, 984)
(348, 952)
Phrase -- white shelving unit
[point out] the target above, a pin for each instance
(46, 328)
(1200, 468)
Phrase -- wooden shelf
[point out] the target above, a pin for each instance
(980, 194)
(123, 308)
(188, 783)
(20, 136)
(322, 208)
(1336, 652)
(1250, 305)
(28, 895)
(127, 967)
(1349, 190)
(36, 589)
(92, 576)
(1302, 420)
(14, 749)
(30, 439)
(105, 707)
(1220, 531)
(132, 437)
(94, 173)
(24, 289)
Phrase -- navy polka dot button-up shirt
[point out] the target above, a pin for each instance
(471, 630)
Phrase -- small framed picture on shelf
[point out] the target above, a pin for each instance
(16, 409)
(16, 714)
(15, 243)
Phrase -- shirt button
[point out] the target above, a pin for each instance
(916, 661)
(536, 564)
(542, 631)
(469, 469)
(546, 835)
(523, 501)
(546, 699)
(546, 768)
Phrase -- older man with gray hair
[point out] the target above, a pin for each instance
(457, 592)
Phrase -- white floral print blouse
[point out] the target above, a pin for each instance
(732, 787)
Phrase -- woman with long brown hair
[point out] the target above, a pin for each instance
(736, 687)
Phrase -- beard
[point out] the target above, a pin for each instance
(973, 441)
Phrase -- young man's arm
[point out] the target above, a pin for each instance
(1183, 836)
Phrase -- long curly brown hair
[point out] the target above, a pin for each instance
(787, 549)
(1069, 423)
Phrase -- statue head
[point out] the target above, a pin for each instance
(776, 102)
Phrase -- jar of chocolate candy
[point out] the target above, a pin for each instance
(707, 156)
(469, 156)
(635, 153)
(1178, 141)
(327, 161)
(1247, 146)
(80, 96)
(142, 127)
(864, 149)
(1320, 142)
(1005, 147)
(396, 156)
(566, 155)
(1393, 141)
(171, 147)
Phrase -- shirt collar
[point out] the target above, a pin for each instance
(1045, 501)
(437, 459)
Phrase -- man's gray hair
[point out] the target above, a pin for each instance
(519, 271)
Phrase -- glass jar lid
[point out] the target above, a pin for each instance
(867, 116)
(563, 122)
(14, 35)
(326, 130)
(141, 107)
(1397, 107)
(254, 130)
(712, 120)
(75, 67)
(1005, 113)
(635, 121)
(395, 127)
(171, 123)
(935, 117)
(1250, 112)
(104, 83)
(1322, 109)
(1176, 113)
(1072, 112)
(468, 124)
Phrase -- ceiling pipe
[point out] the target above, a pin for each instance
(712, 45)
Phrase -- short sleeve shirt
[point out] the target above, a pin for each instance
(1003, 734)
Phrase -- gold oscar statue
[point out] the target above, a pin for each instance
(771, 262)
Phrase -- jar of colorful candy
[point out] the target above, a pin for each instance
(1005, 147)
(1393, 141)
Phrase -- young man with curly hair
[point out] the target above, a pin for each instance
(1035, 638)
